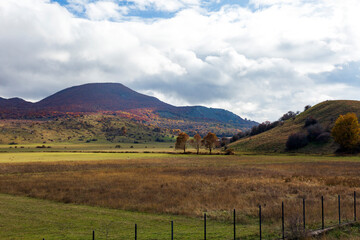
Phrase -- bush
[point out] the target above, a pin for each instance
(117, 146)
(229, 151)
(288, 115)
(346, 131)
(296, 141)
(323, 138)
(310, 121)
(314, 131)
(307, 107)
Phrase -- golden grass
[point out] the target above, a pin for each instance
(190, 185)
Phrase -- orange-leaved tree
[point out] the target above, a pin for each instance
(346, 131)
(181, 141)
(209, 141)
(197, 142)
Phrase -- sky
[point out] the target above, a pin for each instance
(256, 58)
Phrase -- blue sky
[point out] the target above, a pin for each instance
(256, 58)
(150, 12)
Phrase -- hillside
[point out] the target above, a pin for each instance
(274, 140)
(119, 100)
(81, 129)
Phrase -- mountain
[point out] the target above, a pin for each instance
(115, 98)
(275, 139)
(14, 103)
(99, 97)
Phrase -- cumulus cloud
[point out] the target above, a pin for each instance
(258, 61)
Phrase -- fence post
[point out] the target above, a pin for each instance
(304, 216)
(135, 231)
(339, 209)
(322, 212)
(354, 206)
(234, 225)
(172, 230)
(260, 220)
(93, 235)
(204, 226)
(282, 220)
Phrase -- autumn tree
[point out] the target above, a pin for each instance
(197, 142)
(123, 131)
(181, 141)
(346, 131)
(209, 141)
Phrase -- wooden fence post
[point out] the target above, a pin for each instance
(354, 206)
(204, 226)
(234, 225)
(282, 221)
(304, 216)
(339, 206)
(260, 220)
(322, 213)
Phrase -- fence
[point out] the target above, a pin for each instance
(305, 230)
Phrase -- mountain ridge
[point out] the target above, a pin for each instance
(114, 98)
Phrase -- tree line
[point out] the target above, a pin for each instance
(209, 141)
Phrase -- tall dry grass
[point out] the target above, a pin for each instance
(192, 185)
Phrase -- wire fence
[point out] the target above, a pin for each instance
(289, 229)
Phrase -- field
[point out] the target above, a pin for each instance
(153, 188)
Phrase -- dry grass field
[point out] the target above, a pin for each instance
(191, 185)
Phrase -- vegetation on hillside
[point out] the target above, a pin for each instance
(82, 129)
(324, 114)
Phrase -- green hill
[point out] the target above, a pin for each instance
(275, 139)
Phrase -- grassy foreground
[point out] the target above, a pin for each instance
(28, 218)
(121, 189)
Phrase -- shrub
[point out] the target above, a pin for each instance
(288, 115)
(229, 151)
(314, 131)
(307, 107)
(323, 137)
(296, 141)
(310, 121)
(117, 146)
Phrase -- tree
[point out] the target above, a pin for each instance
(209, 141)
(288, 115)
(296, 141)
(123, 131)
(181, 141)
(307, 107)
(197, 142)
(346, 131)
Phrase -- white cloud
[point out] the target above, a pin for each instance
(104, 10)
(258, 63)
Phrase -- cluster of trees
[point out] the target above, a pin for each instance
(346, 132)
(266, 126)
(210, 141)
(314, 133)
